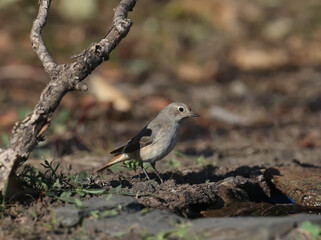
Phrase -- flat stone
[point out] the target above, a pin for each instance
(151, 222)
(226, 228)
(263, 228)
(69, 216)
(301, 184)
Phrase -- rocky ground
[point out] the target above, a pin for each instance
(230, 164)
(192, 203)
(248, 168)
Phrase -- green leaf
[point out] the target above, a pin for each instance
(117, 166)
(48, 225)
(181, 232)
(201, 161)
(57, 168)
(146, 165)
(174, 163)
(119, 207)
(49, 166)
(94, 190)
(80, 192)
(131, 165)
(67, 199)
(130, 193)
(44, 185)
(109, 196)
(79, 203)
(46, 165)
(65, 194)
(51, 194)
(112, 212)
(145, 210)
(114, 190)
(95, 214)
(312, 228)
(57, 184)
(81, 178)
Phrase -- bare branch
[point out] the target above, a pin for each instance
(90, 58)
(64, 78)
(37, 42)
(122, 10)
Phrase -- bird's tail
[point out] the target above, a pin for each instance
(120, 158)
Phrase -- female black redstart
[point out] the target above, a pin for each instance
(155, 140)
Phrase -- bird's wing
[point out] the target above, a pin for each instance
(144, 138)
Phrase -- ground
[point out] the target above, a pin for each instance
(251, 71)
(216, 163)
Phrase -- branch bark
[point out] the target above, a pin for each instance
(63, 79)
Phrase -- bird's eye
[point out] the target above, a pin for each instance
(181, 109)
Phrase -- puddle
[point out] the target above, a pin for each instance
(256, 209)
(258, 204)
(278, 204)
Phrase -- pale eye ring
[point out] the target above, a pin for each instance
(181, 109)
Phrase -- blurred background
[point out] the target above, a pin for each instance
(251, 69)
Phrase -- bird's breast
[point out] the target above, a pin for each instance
(165, 144)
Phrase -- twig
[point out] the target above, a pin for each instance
(64, 78)
(37, 42)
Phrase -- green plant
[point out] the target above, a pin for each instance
(174, 163)
(179, 232)
(132, 165)
(95, 214)
(145, 210)
(111, 212)
(67, 188)
(57, 185)
(37, 180)
(117, 166)
(129, 165)
(310, 230)
(53, 223)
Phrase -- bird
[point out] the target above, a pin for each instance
(155, 140)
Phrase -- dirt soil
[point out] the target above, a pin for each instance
(215, 163)
(250, 69)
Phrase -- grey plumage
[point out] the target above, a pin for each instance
(156, 139)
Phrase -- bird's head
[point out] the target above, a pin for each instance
(178, 111)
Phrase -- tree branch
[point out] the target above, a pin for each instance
(64, 78)
(37, 42)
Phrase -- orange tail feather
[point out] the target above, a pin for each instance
(117, 159)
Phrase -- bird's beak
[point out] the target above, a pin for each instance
(192, 114)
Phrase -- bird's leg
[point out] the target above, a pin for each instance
(141, 165)
(153, 164)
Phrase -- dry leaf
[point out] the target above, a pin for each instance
(258, 58)
(105, 92)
